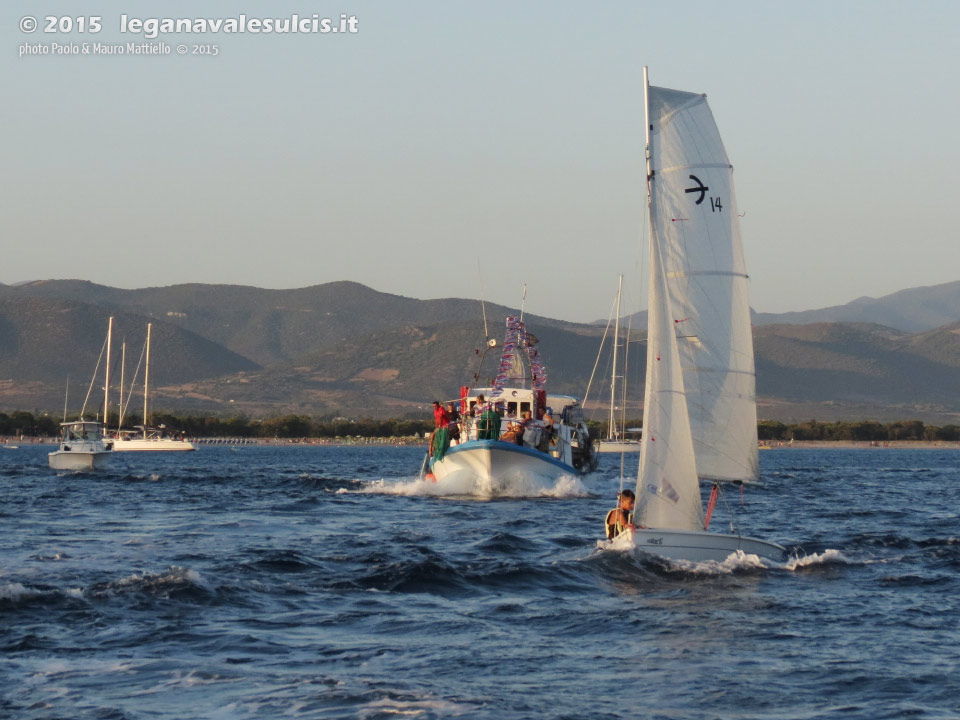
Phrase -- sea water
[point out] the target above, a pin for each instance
(330, 582)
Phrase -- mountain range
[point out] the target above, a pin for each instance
(343, 349)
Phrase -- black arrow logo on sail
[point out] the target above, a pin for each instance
(701, 188)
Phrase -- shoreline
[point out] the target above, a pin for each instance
(11, 442)
(862, 445)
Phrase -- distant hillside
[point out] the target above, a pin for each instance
(43, 341)
(273, 326)
(859, 363)
(344, 349)
(913, 310)
(393, 372)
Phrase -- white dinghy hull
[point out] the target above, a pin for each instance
(694, 546)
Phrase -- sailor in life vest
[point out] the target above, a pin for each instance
(621, 517)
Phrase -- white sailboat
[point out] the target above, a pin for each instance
(144, 437)
(699, 416)
(616, 440)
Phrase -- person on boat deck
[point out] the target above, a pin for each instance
(440, 416)
(452, 412)
(514, 433)
(621, 517)
(454, 426)
(439, 441)
(488, 426)
(545, 416)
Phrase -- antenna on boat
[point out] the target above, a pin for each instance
(66, 394)
(483, 305)
(523, 301)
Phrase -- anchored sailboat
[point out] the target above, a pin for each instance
(145, 438)
(699, 415)
(616, 440)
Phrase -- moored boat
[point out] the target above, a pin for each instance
(82, 447)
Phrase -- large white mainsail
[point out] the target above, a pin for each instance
(699, 414)
(696, 226)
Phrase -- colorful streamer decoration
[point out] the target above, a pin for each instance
(515, 342)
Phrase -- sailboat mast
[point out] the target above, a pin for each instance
(123, 370)
(611, 433)
(146, 381)
(106, 384)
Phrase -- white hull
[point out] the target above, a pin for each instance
(618, 446)
(495, 460)
(79, 459)
(702, 546)
(152, 445)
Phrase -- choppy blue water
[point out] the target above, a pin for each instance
(326, 582)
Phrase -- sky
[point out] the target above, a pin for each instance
(468, 149)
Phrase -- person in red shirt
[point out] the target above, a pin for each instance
(440, 416)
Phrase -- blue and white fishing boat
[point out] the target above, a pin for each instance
(495, 444)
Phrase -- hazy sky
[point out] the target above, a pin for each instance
(443, 135)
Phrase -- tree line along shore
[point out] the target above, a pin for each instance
(22, 423)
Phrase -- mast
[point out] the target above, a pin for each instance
(611, 432)
(646, 126)
(106, 385)
(123, 368)
(146, 381)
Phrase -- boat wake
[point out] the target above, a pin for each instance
(735, 563)
(466, 484)
(820, 559)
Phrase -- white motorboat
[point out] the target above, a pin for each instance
(82, 447)
(699, 415)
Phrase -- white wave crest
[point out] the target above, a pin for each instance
(15, 591)
(428, 706)
(827, 557)
(174, 575)
(466, 484)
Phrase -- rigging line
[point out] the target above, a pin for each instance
(599, 352)
(133, 382)
(93, 379)
(483, 305)
(734, 525)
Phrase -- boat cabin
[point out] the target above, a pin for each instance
(81, 431)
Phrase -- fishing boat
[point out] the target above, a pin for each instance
(145, 438)
(82, 447)
(557, 445)
(699, 415)
(617, 440)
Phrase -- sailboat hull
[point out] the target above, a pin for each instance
(618, 446)
(695, 546)
(152, 445)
